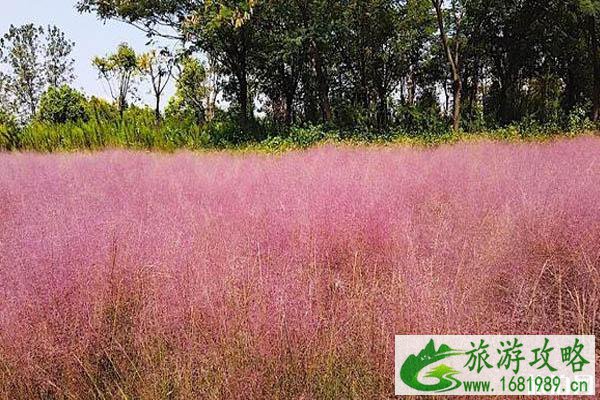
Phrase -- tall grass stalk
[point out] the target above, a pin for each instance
(150, 276)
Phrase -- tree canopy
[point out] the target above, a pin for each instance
(355, 63)
(249, 70)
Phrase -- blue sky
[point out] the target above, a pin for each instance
(92, 37)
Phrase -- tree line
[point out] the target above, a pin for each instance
(351, 65)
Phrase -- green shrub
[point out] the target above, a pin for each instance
(62, 105)
(102, 111)
(473, 119)
(138, 129)
(9, 132)
(306, 137)
(421, 121)
(191, 92)
(223, 133)
(579, 120)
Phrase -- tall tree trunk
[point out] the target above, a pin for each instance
(382, 112)
(32, 108)
(317, 61)
(240, 68)
(453, 61)
(157, 114)
(289, 108)
(403, 91)
(122, 105)
(505, 115)
(412, 88)
(446, 97)
(323, 86)
(243, 101)
(571, 85)
(213, 89)
(457, 89)
(290, 87)
(471, 90)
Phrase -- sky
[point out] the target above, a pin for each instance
(92, 37)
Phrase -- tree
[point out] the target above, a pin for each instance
(213, 87)
(118, 70)
(591, 14)
(7, 104)
(23, 56)
(59, 105)
(368, 64)
(57, 63)
(452, 50)
(158, 66)
(34, 59)
(9, 131)
(319, 19)
(223, 29)
(381, 42)
(531, 55)
(191, 96)
(281, 59)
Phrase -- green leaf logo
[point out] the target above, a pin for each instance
(412, 367)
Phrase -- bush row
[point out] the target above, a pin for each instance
(99, 126)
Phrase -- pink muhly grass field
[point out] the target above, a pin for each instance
(151, 276)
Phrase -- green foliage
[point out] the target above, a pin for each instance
(578, 119)
(138, 130)
(421, 120)
(118, 70)
(57, 64)
(297, 73)
(590, 7)
(9, 132)
(191, 92)
(124, 59)
(306, 137)
(102, 111)
(63, 104)
(299, 138)
(346, 64)
(32, 58)
(223, 133)
(158, 67)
